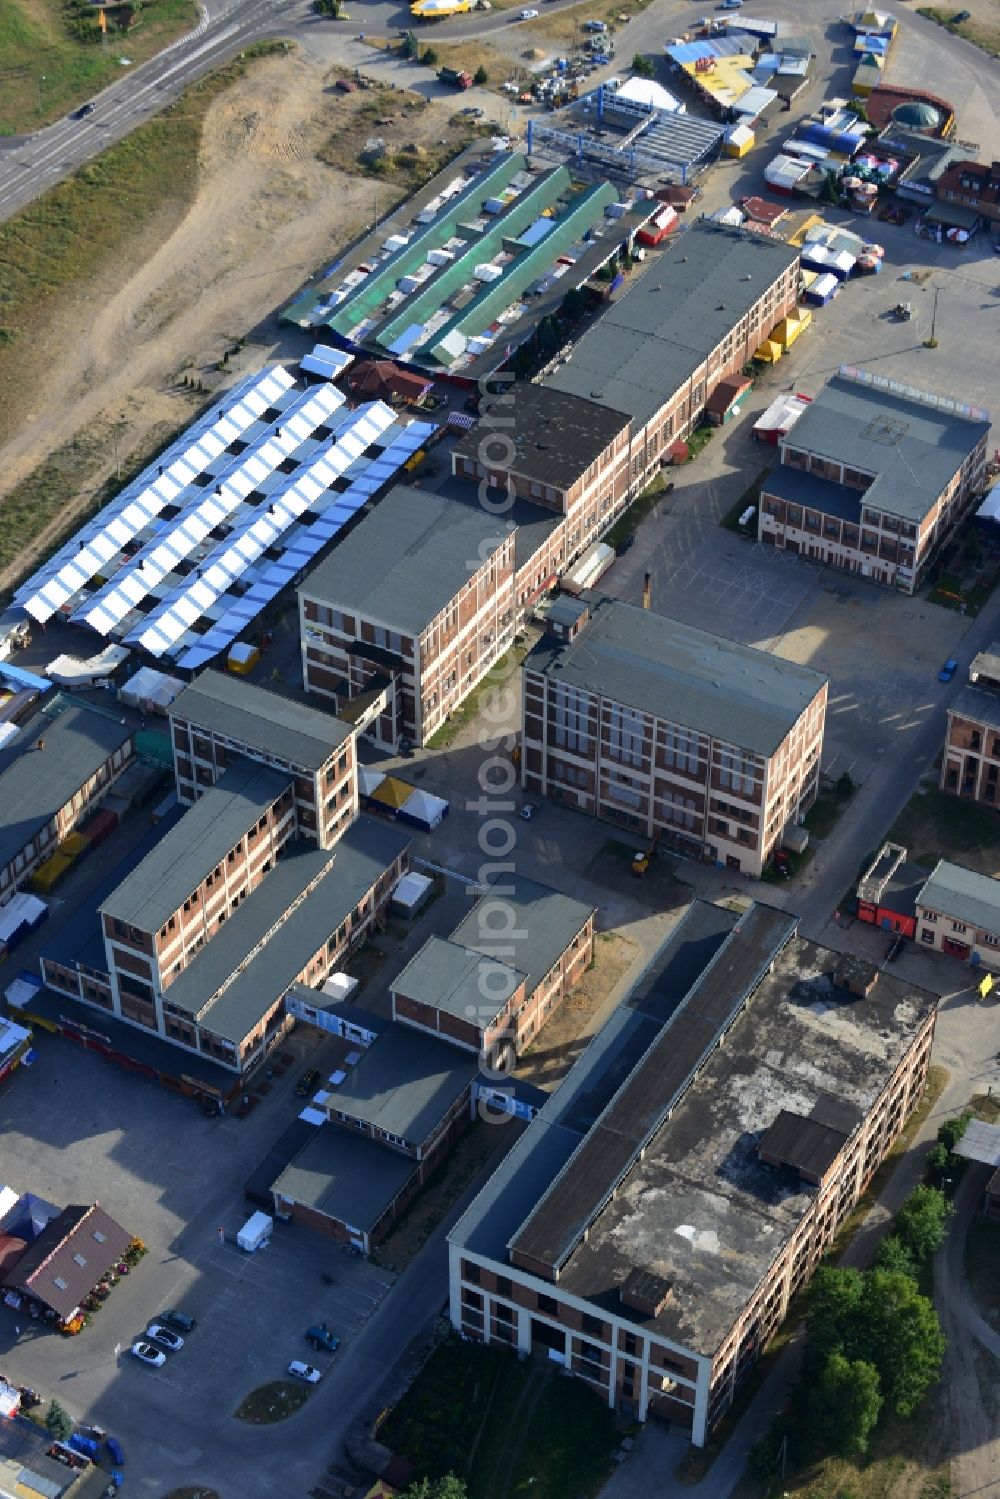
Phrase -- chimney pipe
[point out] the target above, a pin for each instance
(646, 588)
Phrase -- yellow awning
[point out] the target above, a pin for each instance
(392, 793)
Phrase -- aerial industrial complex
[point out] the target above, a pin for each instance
(381, 871)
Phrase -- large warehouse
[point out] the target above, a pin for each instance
(466, 269)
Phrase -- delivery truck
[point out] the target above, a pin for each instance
(255, 1233)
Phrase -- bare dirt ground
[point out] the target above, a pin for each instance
(568, 1031)
(266, 213)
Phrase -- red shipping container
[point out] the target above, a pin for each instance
(99, 827)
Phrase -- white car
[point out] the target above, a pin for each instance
(299, 1370)
(157, 1333)
(528, 15)
(147, 1354)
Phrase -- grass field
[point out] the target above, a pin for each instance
(984, 34)
(518, 1430)
(46, 67)
(936, 826)
(54, 245)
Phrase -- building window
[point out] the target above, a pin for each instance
(926, 935)
(626, 733)
(569, 726)
(471, 1272)
(548, 1304)
(593, 1325)
(930, 916)
(959, 926)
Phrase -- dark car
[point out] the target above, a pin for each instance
(115, 1451)
(180, 1321)
(307, 1082)
(960, 16)
(626, 543)
(895, 948)
(83, 111)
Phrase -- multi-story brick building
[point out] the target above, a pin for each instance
(874, 477)
(958, 912)
(971, 763)
(232, 902)
(711, 746)
(651, 1226)
(219, 718)
(51, 774)
(973, 185)
(408, 614)
(460, 1011)
(696, 314)
(491, 987)
(545, 448)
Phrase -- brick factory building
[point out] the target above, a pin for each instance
(971, 764)
(874, 477)
(408, 614)
(650, 1228)
(711, 746)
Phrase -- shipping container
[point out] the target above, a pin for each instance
(99, 827)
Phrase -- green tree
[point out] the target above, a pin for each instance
(952, 1130)
(448, 1487)
(58, 1421)
(892, 1254)
(410, 47)
(642, 66)
(480, 76)
(845, 785)
(922, 1222)
(430, 57)
(834, 1298)
(844, 1405)
(326, 8)
(897, 1330)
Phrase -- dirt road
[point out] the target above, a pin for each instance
(266, 213)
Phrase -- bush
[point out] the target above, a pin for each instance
(429, 57)
(922, 1222)
(480, 76)
(642, 66)
(893, 1255)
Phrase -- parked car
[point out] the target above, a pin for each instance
(307, 1082)
(529, 810)
(594, 26)
(528, 15)
(960, 16)
(322, 1338)
(895, 948)
(115, 1452)
(147, 1354)
(83, 111)
(298, 1370)
(948, 670)
(164, 1338)
(626, 544)
(178, 1320)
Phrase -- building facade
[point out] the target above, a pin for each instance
(970, 766)
(218, 719)
(628, 723)
(408, 615)
(636, 1234)
(874, 477)
(51, 776)
(972, 184)
(958, 912)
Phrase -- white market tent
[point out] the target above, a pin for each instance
(648, 94)
(70, 671)
(326, 362)
(151, 690)
(369, 780)
(423, 809)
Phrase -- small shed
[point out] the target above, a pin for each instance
(723, 404)
(822, 290)
(411, 894)
(739, 141)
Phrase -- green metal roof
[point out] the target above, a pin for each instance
(382, 282)
(524, 210)
(495, 296)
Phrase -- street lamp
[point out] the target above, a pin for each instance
(41, 80)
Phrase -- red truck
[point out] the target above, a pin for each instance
(455, 78)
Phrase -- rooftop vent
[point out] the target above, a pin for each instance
(646, 1292)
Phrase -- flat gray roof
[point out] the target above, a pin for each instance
(38, 782)
(524, 922)
(406, 1082)
(656, 334)
(407, 559)
(646, 661)
(345, 1176)
(460, 982)
(701, 1209)
(550, 435)
(963, 895)
(979, 704)
(201, 840)
(360, 857)
(280, 726)
(824, 495)
(913, 447)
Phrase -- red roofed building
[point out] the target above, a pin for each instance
(913, 109)
(763, 212)
(381, 380)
